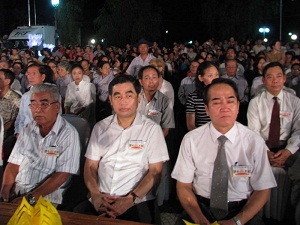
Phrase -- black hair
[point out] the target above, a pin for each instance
(8, 74)
(200, 72)
(100, 64)
(140, 75)
(216, 81)
(76, 65)
(271, 65)
(123, 78)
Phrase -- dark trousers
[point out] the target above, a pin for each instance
(233, 209)
(143, 212)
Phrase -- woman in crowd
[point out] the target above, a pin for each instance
(257, 82)
(103, 108)
(276, 55)
(53, 65)
(65, 78)
(195, 111)
(86, 69)
(80, 95)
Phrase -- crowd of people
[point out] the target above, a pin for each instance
(214, 116)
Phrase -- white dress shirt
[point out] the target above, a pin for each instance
(260, 111)
(198, 151)
(125, 154)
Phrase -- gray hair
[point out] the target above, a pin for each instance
(65, 65)
(51, 89)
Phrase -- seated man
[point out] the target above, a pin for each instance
(154, 104)
(124, 158)
(46, 153)
(9, 106)
(275, 115)
(222, 170)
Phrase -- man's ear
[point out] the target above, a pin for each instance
(206, 109)
(43, 77)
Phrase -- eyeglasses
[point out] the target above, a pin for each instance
(43, 105)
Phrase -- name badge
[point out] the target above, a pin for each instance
(136, 145)
(285, 114)
(241, 171)
(52, 151)
(153, 112)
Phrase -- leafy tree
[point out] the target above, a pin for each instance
(69, 16)
(121, 22)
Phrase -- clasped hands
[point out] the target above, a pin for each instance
(278, 159)
(111, 206)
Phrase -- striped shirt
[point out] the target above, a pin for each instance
(35, 166)
(195, 105)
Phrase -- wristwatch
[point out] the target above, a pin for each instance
(31, 199)
(136, 199)
(237, 221)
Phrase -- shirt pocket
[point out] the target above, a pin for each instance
(134, 154)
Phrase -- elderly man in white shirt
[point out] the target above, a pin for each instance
(46, 153)
(247, 169)
(124, 158)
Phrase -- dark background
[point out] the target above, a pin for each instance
(181, 18)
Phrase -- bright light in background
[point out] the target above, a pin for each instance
(34, 40)
(265, 39)
(93, 41)
(190, 42)
(102, 40)
(167, 31)
(264, 30)
(55, 3)
(290, 34)
(294, 37)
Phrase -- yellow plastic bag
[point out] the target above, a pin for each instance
(41, 214)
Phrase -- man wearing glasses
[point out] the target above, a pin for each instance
(46, 153)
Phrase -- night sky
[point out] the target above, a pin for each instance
(175, 22)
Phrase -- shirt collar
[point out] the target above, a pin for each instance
(137, 119)
(231, 134)
(55, 129)
(270, 96)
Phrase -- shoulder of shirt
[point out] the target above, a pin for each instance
(289, 91)
(198, 132)
(13, 94)
(246, 132)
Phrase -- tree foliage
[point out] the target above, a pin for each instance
(121, 22)
(69, 16)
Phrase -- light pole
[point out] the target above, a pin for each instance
(264, 30)
(55, 4)
(280, 19)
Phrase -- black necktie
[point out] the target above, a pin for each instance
(219, 185)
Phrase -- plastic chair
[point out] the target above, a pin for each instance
(77, 190)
